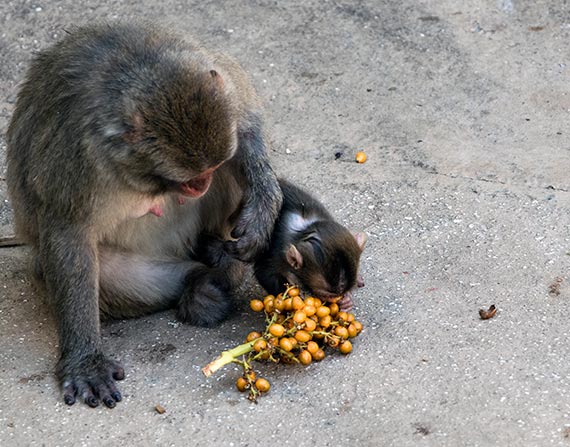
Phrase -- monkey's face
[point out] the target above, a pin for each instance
(181, 134)
(325, 260)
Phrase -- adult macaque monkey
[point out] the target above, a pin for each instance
(114, 126)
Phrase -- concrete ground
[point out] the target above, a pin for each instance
(463, 109)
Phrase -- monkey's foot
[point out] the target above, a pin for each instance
(207, 300)
(92, 378)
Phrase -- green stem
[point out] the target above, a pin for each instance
(228, 357)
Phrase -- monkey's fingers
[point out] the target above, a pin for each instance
(345, 303)
(244, 249)
(251, 241)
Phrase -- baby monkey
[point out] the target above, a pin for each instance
(308, 248)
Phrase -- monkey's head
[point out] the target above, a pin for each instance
(324, 259)
(179, 133)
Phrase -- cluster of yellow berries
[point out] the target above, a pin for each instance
(298, 330)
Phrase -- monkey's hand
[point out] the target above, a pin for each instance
(255, 223)
(345, 303)
(91, 378)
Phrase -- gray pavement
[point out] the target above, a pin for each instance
(463, 109)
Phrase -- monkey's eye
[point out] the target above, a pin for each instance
(312, 238)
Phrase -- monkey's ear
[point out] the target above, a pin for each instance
(219, 81)
(360, 239)
(294, 257)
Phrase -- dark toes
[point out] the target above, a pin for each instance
(119, 373)
(91, 380)
(109, 402)
(69, 393)
(92, 401)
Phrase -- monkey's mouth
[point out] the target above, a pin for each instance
(197, 186)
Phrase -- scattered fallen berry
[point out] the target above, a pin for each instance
(360, 157)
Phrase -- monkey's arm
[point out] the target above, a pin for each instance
(69, 258)
(262, 196)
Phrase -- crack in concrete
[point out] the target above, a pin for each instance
(498, 182)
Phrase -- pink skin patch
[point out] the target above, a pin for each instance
(156, 210)
(181, 200)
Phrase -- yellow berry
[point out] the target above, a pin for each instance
(260, 345)
(325, 322)
(345, 347)
(310, 325)
(286, 344)
(352, 332)
(309, 310)
(256, 305)
(360, 157)
(302, 336)
(312, 347)
(310, 301)
(242, 384)
(341, 331)
(305, 357)
(262, 385)
(298, 303)
(299, 317)
(252, 336)
(276, 330)
(334, 309)
(333, 342)
(319, 355)
(294, 292)
(278, 304)
(323, 311)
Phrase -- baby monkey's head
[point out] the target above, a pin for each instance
(324, 259)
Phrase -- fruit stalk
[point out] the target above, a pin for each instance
(226, 357)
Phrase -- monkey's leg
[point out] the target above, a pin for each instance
(70, 268)
(207, 299)
(262, 193)
(133, 285)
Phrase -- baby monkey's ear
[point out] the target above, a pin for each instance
(294, 257)
(360, 239)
